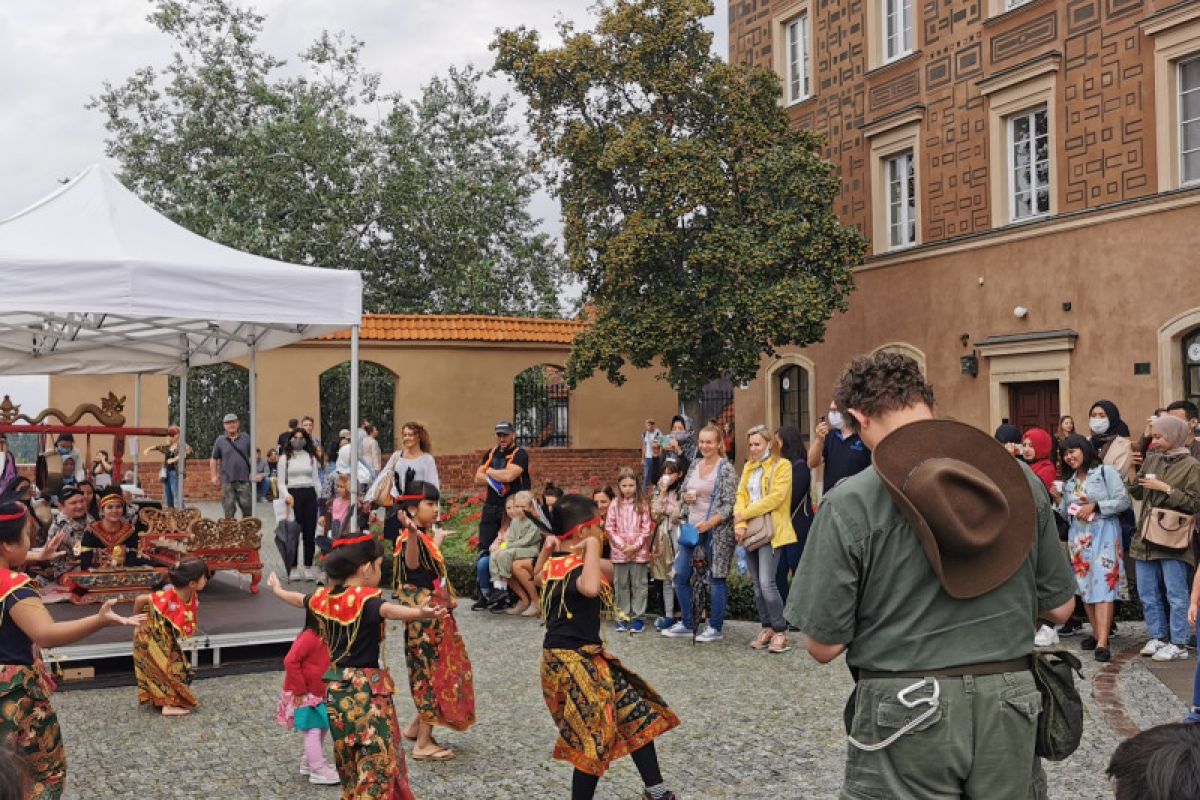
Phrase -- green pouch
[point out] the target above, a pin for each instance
(1060, 725)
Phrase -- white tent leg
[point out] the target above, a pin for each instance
(353, 429)
(253, 426)
(137, 423)
(182, 463)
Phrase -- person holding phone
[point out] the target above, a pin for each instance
(837, 447)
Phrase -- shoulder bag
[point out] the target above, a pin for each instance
(1060, 725)
(1166, 528)
(761, 529)
(689, 534)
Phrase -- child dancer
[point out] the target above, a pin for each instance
(666, 509)
(524, 541)
(163, 672)
(302, 702)
(350, 620)
(629, 529)
(603, 711)
(439, 672)
(28, 721)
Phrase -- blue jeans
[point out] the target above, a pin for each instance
(483, 573)
(717, 587)
(171, 498)
(1151, 575)
(649, 468)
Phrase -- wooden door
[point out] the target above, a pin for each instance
(1034, 405)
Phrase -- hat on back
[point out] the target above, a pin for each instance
(968, 501)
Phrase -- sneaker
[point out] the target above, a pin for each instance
(1072, 628)
(310, 574)
(1045, 637)
(637, 626)
(480, 604)
(1153, 646)
(324, 775)
(622, 627)
(1192, 718)
(1170, 652)
(305, 769)
(662, 623)
(295, 575)
(1103, 655)
(678, 631)
(710, 634)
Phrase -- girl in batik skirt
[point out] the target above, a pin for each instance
(602, 709)
(163, 671)
(439, 671)
(28, 724)
(351, 617)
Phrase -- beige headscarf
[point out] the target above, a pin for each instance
(1174, 430)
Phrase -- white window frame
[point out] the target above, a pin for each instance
(795, 37)
(1182, 121)
(1009, 5)
(903, 12)
(901, 168)
(1011, 143)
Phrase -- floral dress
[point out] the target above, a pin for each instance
(1095, 546)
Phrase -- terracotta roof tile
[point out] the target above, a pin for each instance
(462, 328)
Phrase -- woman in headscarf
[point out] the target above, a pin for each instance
(1110, 438)
(1170, 479)
(1036, 447)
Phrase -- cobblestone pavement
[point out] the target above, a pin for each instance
(754, 726)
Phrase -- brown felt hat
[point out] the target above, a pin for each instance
(966, 498)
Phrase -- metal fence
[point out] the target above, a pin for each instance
(376, 402)
(716, 401)
(540, 407)
(213, 392)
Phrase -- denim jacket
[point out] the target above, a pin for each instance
(1102, 485)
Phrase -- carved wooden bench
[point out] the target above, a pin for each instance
(230, 544)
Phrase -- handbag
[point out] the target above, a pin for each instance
(1167, 528)
(689, 534)
(1060, 725)
(760, 530)
(662, 554)
(383, 492)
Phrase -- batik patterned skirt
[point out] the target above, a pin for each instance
(163, 671)
(439, 671)
(30, 726)
(603, 711)
(366, 734)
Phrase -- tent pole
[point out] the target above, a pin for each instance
(181, 464)
(137, 421)
(354, 441)
(253, 425)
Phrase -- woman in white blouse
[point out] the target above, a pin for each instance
(298, 477)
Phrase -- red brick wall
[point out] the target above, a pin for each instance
(570, 469)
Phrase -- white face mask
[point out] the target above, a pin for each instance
(836, 420)
(1099, 425)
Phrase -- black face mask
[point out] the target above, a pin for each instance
(297, 444)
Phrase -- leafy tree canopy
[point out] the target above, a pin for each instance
(698, 219)
(316, 165)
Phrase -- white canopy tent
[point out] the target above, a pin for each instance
(92, 280)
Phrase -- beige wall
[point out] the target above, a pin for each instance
(458, 392)
(1128, 274)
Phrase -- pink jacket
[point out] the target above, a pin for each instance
(629, 526)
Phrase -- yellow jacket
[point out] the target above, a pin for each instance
(776, 500)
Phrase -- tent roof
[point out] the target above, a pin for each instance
(93, 280)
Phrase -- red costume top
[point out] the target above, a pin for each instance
(182, 615)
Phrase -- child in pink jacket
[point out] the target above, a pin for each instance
(630, 531)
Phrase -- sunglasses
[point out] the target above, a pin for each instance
(757, 429)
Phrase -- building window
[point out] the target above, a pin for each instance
(902, 200)
(1191, 367)
(1189, 121)
(897, 28)
(796, 33)
(540, 407)
(1010, 4)
(1029, 137)
(791, 383)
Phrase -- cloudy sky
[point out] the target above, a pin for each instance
(54, 56)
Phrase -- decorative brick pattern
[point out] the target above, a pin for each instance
(1025, 39)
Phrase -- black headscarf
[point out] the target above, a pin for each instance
(1008, 434)
(1116, 426)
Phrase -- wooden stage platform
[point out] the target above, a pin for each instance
(230, 618)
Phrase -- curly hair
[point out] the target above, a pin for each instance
(881, 382)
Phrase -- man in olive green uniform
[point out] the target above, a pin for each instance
(928, 570)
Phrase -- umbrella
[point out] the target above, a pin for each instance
(287, 539)
(699, 586)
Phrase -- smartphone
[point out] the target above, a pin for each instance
(821, 419)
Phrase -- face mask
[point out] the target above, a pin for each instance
(297, 444)
(836, 420)
(63, 451)
(1099, 425)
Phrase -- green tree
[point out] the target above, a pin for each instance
(698, 219)
(318, 166)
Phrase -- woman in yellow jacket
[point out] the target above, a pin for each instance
(766, 489)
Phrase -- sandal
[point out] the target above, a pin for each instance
(441, 754)
(763, 639)
(779, 644)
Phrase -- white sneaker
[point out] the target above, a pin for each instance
(710, 634)
(324, 775)
(295, 575)
(305, 769)
(1153, 646)
(677, 631)
(1045, 637)
(1170, 652)
(310, 574)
